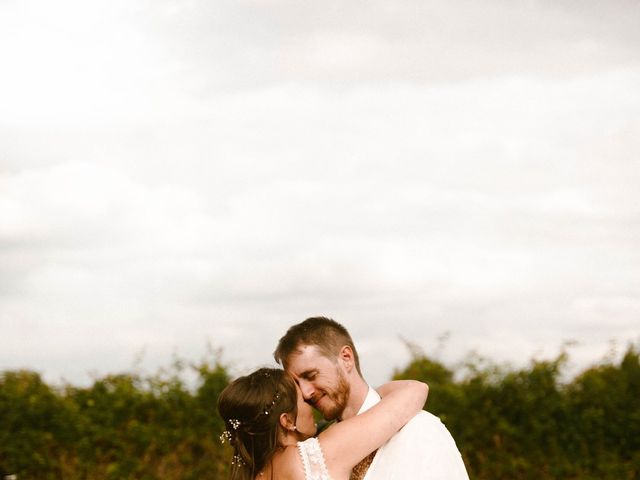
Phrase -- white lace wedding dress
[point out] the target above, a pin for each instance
(312, 459)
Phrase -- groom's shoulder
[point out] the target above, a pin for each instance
(424, 435)
(426, 418)
(424, 423)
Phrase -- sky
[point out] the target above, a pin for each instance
(180, 176)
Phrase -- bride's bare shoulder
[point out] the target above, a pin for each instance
(287, 465)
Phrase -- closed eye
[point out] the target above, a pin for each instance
(310, 375)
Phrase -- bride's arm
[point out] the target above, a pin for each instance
(345, 443)
(387, 388)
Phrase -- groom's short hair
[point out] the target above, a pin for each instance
(325, 333)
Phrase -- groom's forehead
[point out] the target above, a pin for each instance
(305, 357)
(304, 353)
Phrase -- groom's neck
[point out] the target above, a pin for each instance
(357, 395)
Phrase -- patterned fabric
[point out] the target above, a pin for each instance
(360, 470)
(312, 459)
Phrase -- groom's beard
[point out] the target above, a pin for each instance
(339, 397)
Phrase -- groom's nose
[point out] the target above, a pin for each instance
(307, 389)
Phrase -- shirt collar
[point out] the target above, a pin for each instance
(371, 399)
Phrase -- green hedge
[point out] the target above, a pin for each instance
(528, 424)
(121, 427)
(508, 424)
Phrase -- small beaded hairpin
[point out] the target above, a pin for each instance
(269, 408)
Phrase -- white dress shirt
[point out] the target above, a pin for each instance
(422, 450)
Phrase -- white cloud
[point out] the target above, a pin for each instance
(210, 173)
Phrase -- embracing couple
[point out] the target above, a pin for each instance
(378, 434)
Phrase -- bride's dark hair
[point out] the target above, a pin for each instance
(251, 407)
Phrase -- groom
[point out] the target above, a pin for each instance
(321, 356)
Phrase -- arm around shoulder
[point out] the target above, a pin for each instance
(421, 389)
(346, 443)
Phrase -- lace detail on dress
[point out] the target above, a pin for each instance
(312, 459)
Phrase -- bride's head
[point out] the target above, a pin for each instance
(259, 411)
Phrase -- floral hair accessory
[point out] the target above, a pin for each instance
(237, 460)
(225, 437)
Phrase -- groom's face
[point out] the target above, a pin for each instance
(323, 383)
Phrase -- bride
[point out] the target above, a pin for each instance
(271, 428)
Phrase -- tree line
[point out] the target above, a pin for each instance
(509, 423)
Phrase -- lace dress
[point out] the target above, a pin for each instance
(313, 461)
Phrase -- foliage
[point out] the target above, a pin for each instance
(122, 427)
(527, 424)
(508, 423)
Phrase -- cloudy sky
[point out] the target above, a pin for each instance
(178, 173)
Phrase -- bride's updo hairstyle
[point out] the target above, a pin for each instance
(251, 407)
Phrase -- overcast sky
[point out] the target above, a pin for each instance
(178, 173)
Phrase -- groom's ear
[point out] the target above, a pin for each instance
(347, 358)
